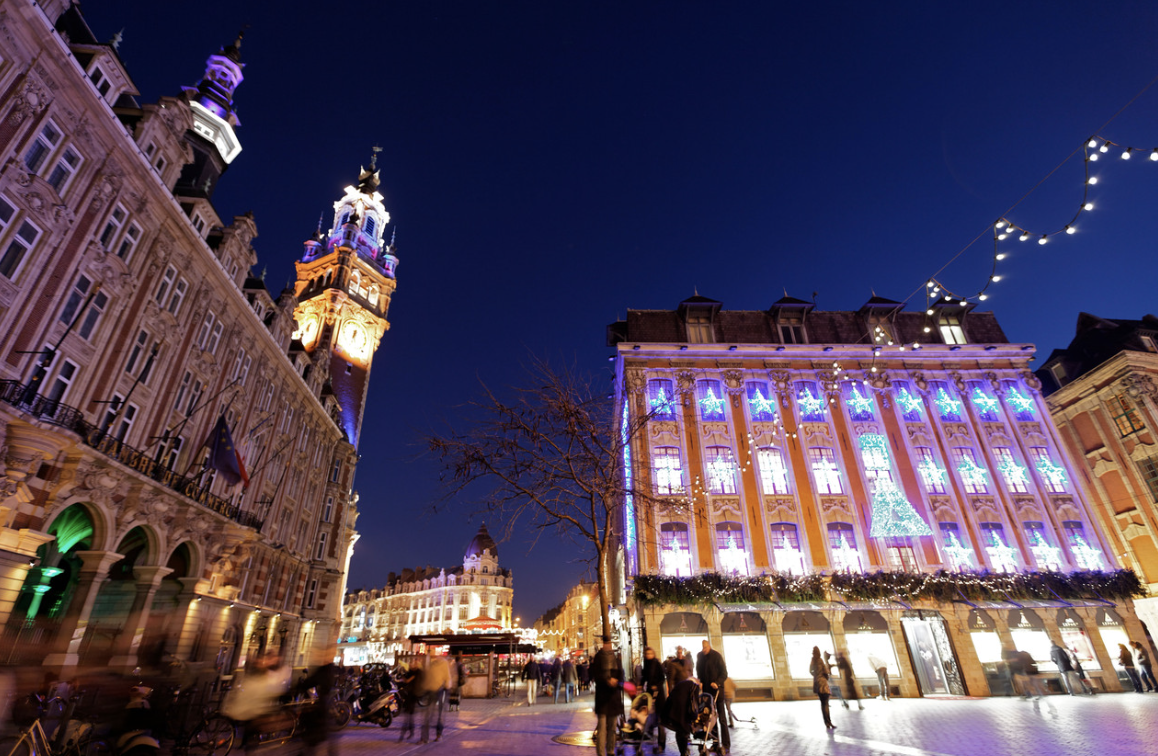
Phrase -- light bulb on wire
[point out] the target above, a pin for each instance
(1154, 154)
(1126, 154)
(1093, 157)
(1043, 239)
(1024, 236)
(1000, 255)
(983, 297)
(1105, 147)
(1070, 229)
(1093, 180)
(1092, 143)
(995, 279)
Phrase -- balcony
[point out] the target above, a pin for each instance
(70, 418)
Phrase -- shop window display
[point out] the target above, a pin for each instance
(746, 649)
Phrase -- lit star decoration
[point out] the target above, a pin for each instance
(733, 559)
(1049, 557)
(984, 402)
(812, 406)
(950, 407)
(961, 556)
(661, 404)
(762, 409)
(712, 404)
(910, 403)
(892, 514)
(1021, 403)
(1087, 557)
(972, 474)
(1053, 473)
(861, 406)
(1014, 474)
(931, 472)
(721, 471)
(677, 561)
(1004, 557)
(846, 557)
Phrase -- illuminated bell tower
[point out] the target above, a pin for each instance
(344, 283)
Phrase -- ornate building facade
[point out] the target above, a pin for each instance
(794, 441)
(1102, 391)
(130, 333)
(476, 595)
(573, 627)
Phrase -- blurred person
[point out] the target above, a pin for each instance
(845, 668)
(581, 670)
(1126, 659)
(253, 699)
(654, 681)
(1082, 677)
(1142, 664)
(556, 677)
(882, 669)
(712, 672)
(729, 699)
(569, 679)
(1065, 668)
(531, 674)
(818, 668)
(608, 675)
(435, 686)
(410, 684)
(315, 716)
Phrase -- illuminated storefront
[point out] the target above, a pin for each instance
(1077, 640)
(1029, 635)
(686, 630)
(746, 647)
(802, 632)
(866, 634)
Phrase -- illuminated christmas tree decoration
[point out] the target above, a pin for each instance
(712, 404)
(846, 557)
(1048, 557)
(1087, 557)
(973, 475)
(1004, 558)
(676, 560)
(733, 559)
(909, 403)
(811, 405)
(961, 556)
(987, 404)
(933, 474)
(661, 404)
(1015, 475)
(1053, 473)
(1020, 402)
(761, 407)
(862, 406)
(892, 514)
(950, 407)
(720, 473)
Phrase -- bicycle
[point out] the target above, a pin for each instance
(77, 740)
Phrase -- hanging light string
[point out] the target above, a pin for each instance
(1094, 147)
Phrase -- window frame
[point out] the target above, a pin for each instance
(773, 480)
(664, 475)
(825, 485)
(719, 484)
(15, 241)
(952, 328)
(1124, 415)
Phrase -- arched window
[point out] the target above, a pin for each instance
(730, 549)
(674, 549)
(842, 542)
(786, 548)
(355, 282)
(373, 298)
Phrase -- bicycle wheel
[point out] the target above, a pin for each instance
(340, 714)
(16, 747)
(214, 736)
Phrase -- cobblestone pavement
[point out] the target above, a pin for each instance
(1102, 725)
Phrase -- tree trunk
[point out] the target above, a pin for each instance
(604, 603)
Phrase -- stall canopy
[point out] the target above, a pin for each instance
(478, 643)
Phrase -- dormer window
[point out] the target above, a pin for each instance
(198, 222)
(951, 329)
(345, 218)
(700, 328)
(100, 81)
(368, 226)
(792, 330)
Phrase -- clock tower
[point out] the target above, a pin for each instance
(345, 280)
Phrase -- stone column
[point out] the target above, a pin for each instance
(128, 643)
(17, 557)
(1106, 658)
(66, 647)
(186, 620)
(972, 672)
(782, 688)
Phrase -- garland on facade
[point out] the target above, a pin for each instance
(943, 586)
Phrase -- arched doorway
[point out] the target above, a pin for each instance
(114, 601)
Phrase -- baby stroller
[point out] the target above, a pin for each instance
(706, 725)
(637, 726)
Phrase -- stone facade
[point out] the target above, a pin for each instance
(575, 626)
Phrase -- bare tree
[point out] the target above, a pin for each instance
(551, 455)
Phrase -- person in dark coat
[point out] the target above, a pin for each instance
(845, 667)
(531, 675)
(712, 671)
(608, 675)
(314, 720)
(569, 679)
(557, 677)
(818, 668)
(678, 714)
(411, 685)
(1126, 659)
(654, 681)
(584, 680)
(1144, 667)
(1065, 668)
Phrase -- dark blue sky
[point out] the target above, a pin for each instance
(550, 164)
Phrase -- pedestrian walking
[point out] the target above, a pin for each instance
(818, 668)
(1142, 664)
(435, 689)
(1023, 672)
(556, 677)
(1126, 659)
(531, 675)
(581, 669)
(729, 699)
(1082, 677)
(678, 713)
(314, 720)
(845, 668)
(1061, 658)
(411, 684)
(654, 681)
(882, 669)
(569, 679)
(712, 672)
(608, 675)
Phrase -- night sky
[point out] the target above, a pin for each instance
(548, 165)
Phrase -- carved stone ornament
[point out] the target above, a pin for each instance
(919, 434)
(634, 380)
(816, 431)
(919, 381)
(958, 381)
(983, 503)
(1031, 429)
(994, 382)
(30, 100)
(733, 381)
(879, 380)
(715, 432)
(1031, 380)
(1065, 507)
(860, 429)
(956, 430)
(662, 430)
(781, 381)
(763, 433)
(1026, 507)
(107, 188)
(995, 432)
(942, 508)
(831, 504)
(1140, 386)
(685, 381)
(786, 505)
(721, 508)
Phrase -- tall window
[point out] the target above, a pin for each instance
(174, 452)
(900, 555)
(117, 237)
(951, 330)
(810, 401)
(183, 389)
(824, 470)
(1125, 416)
(983, 402)
(61, 382)
(675, 549)
(699, 327)
(908, 401)
(1001, 555)
(1148, 468)
(127, 414)
(92, 314)
(760, 402)
(974, 478)
(336, 471)
(960, 555)
(368, 226)
(711, 401)
(948, 405)
(17, 245)
(1014, 474)
(45, 143)
(661, 399)
(1022, 405)
(137, 355)
(206, 329)
(730, 548)
(668, 471)
(320, 552)
(842, 543)
(328, 509)
(1047, 555)
(194, 397)
(786, 548)
(721, 470)
(100, 81)
(792, 331)
(1053, 475)
(773, 471)
(166, 283)
(62, 173)
(858, 401)
(932, 474)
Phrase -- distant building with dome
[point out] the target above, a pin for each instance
(476, 595)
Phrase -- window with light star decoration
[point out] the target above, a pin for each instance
(711, 403)
(892, 515)
(1023, 406)
(860, 407)
(762, 409)
(950, 407)
(910, 405)
(811, 405)
(659, 399)
(987, 406)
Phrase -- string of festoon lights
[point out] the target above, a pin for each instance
(1003, 229)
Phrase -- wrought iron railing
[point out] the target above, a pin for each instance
(56, 413)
